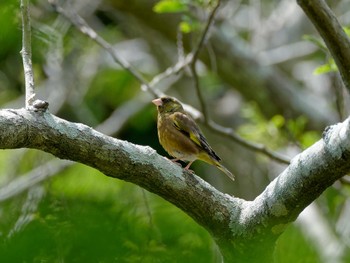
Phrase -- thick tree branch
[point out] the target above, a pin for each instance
(113, 157)
(308, 175)
(332, 33)
(241, 228)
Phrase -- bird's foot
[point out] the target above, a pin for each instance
(175, 161)
(189, 170)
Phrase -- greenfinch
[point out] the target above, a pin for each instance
(181, 137)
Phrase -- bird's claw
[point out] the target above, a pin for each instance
(175, 162)
(189, 170)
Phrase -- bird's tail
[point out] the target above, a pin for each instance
(214, 160)
(225, 171)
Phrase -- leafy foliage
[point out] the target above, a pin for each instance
(170, 6)
(189, 23)
(102, 220)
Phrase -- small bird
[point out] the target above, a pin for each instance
(181, 137)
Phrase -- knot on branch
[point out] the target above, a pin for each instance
(39, 105)
(337, 140)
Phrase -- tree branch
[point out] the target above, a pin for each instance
(30, 179)
(196, 52)
(308, 175)
(237, 225)
(84, 28)
(26, 53)
(332, 33)
(257, 147)
(140, 165)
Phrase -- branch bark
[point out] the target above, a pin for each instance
(26, 53)
(245, 231)
(332, 33)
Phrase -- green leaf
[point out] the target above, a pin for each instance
(309, 138)
(296, 126)
(170, 6)
(278, 121)
(326, 68)
(347, 30)
(185, 27)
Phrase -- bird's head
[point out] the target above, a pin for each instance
(168, 105)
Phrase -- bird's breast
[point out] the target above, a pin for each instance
(175, 142)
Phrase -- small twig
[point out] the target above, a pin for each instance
(260, 148)
(195, 53)
(148, 210)
(199, 93)
(28, 210)
(26, 53)
(173, 70)
(338, 90)
(208, 25)
(84, 28)
(345, 180)
(119, 117)
(35, 176)
(81, 24)
(180, 45)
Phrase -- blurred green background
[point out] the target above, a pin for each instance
(259, 73)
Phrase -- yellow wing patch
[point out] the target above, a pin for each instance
(183, 124)
(194, 138)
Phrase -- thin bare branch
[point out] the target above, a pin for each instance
(84, 28)
(173, 70)
(204, 36)
(26, 53)
(257, 147)
(81, 24)
(28, 210)
(32, 178)
(196, 52)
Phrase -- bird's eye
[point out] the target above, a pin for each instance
(166, 100)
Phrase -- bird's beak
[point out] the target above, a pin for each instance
(157, 102)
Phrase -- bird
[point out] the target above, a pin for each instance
(181, 137)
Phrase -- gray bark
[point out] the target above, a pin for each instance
(245, 231)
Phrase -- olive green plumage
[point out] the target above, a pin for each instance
(181, 137)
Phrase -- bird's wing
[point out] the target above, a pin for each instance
(189, 128)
